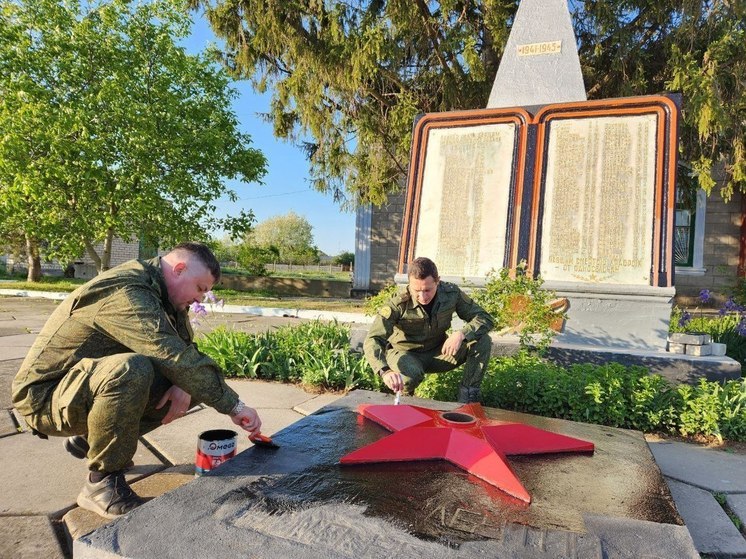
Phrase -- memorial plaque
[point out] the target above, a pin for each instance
(599, 200)
(464, 191)
(464, 204)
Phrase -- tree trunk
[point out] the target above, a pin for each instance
(106, 256)
(93, 254)
(34, 260)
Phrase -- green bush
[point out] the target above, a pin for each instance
(374, 302)
(520, 304)
(314, 353)
(318, 354)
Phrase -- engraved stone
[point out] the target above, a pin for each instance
(598, 209)
(464, 205)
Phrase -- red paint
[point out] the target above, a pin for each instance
(465, 437)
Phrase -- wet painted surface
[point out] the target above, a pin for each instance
(437, 501)
(297, 502)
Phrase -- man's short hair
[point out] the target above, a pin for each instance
(421, 268)
(203, 253)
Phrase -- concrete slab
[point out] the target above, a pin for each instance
(8, 370)
(262, 394)
(737, 504)
(40, 477)
(623, 536)
(316, 403)
(7, 424)
(28, 537)
(298, 502)
(713, 470)
(79, 522)
(711, 529)
(15, 347)
(177, 441)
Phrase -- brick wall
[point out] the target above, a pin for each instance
(385, 236)
(121, 251)
(720, 252)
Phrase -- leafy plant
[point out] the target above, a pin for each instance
(520, 305)
(318, 354)
(373, 303)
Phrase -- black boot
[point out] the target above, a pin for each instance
(467, 395)
(111, 497)
(77, 446)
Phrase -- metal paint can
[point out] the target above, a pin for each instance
(213, 448)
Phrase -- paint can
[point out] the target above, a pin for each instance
(213, 448)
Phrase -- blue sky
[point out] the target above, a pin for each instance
(285, 185)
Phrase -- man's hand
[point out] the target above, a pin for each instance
(393, 380)
(248, 420)
(180, 401)
(453, 343)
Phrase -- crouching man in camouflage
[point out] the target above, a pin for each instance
(116, 360)
(409, 337)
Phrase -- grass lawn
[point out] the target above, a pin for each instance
(230, 296)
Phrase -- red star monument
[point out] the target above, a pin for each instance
(465, 437)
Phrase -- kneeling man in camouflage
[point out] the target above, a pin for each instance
(409, 336)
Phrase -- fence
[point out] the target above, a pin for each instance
(331, 268)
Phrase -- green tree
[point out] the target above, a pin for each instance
(352, 75)
(289, 235)
(110, 129)
(345, 258)
(698, 48)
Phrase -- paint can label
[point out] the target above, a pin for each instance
(213, 448)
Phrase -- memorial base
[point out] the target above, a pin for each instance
(299, 502)
(627, 317)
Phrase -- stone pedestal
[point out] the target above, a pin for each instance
(615, 316)
(298, 502)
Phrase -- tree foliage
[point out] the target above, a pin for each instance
(110, 129)
(352, 75)
(697, 48)
(290, 236)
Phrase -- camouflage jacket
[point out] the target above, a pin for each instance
(123, 310)
(405, 325)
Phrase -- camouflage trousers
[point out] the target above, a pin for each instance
(414, 365)
(110, 400)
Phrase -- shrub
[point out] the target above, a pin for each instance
(520, 304)
(314, 353)
(374, 302)
(318, 354)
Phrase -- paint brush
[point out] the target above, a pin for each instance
(263, 440)
(397, 397)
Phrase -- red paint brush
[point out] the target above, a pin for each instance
(263, 440)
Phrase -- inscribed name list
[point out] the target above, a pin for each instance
(464, 199)
(599, 200)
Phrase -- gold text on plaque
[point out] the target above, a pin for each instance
(537, 49)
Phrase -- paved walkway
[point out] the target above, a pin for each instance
(40, 481)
